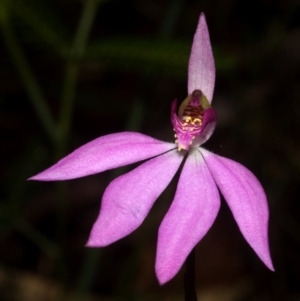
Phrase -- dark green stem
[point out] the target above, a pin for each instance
(190, 278)
(88, 273)
(30, 83)
(72, 71)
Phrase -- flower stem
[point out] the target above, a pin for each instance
(30, 83)
(72, 71)
(88, 273)
(189, 278)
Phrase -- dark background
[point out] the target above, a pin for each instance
(71, 71)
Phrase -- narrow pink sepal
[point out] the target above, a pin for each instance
(192, 213)
(246, 199)
(201, 70)
(104, 153)
(128, 199)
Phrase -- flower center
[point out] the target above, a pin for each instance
(188, 124)
(192, 113)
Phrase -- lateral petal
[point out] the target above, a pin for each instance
(193, 211)
(208, 126)
(246, 199)
(128, 199)
(104, 153)
(201, 70)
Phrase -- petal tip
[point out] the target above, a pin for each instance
(269, 264)
(35, 178)
(91, 243)
(271, 268)
(162, 281)
(97, 241)
(202, 18)
(202, 24)
(163, 276)
(45, 176)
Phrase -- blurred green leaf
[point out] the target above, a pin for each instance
(141, 54)
(148, 55)
(29, 80)
(43, 19)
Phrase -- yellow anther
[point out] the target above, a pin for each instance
(197, 120)
(175, 135)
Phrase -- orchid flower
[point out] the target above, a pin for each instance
(128, 199)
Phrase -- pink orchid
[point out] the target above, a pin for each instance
(128, 199)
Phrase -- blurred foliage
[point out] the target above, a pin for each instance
(74, 70)
(166, 57)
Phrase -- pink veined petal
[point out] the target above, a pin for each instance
(193, 211)
(128, 199)
(201, 70)
(104, 153)
(246, 199)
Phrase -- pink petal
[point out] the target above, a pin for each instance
(246, 199)
(201, 71)
(193, 211)
(128, 199)
(104, 153)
